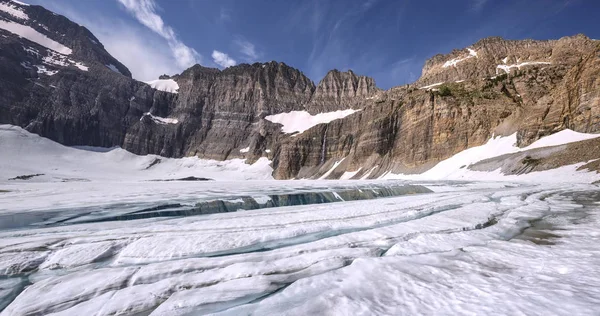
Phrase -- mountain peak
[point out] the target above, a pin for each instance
(33, 23)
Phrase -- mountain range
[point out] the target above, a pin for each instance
(57, 80)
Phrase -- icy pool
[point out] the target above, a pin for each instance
(300, 248)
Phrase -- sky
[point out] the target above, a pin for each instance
(388, 40)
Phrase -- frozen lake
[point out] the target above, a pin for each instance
(300, 248)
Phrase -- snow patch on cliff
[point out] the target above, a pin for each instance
(160, 120)
(507, 68)
(167, 85)
(335, 165)
(300, 121)
(61, 60)
(455, 61)
(432, 85)
(349, 174)
(41, 69)
(13, 10)
(34, 36)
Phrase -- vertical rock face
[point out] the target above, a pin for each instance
(219, 111)
(341, 90)
(533, 88)
(494, 87)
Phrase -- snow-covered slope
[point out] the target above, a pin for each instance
(456, 167)
(23, 153)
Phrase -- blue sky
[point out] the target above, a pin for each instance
(388, 40)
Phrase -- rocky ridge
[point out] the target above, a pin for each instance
(494, 87)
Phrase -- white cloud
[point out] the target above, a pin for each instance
(247, 49)
(145, 12)
(222, 59)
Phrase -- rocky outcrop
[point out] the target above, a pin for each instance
(341, 90)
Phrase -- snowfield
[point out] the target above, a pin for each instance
(455, 167)
(92, 233)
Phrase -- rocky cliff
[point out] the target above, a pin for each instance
(495, 87)
(341, 90)
(69, 89)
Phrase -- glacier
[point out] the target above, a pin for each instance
(98, 231)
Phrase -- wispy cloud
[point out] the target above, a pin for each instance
(224, 15)
(247, 49)
(368, 4)
(477, 5)
(145, 12)
(222, 59)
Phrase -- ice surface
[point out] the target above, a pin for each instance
(458, 250)
(34, 36)
(299, 121)
(79, 254)
(168, 85)
(68, 248)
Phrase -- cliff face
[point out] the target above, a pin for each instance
(83, 96)
(496, 87)
(341, 90)
(219, 113)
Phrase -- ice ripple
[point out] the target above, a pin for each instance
(452, 251)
